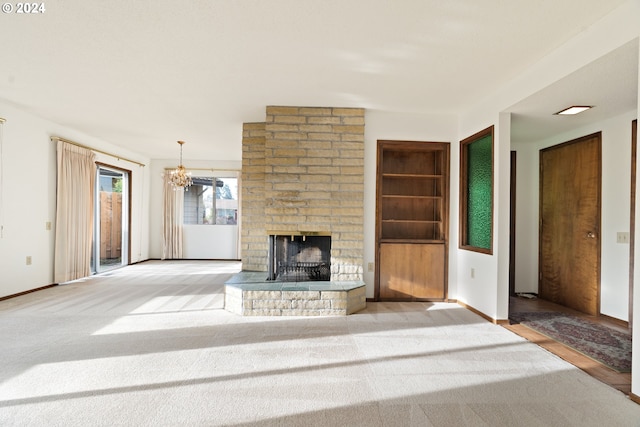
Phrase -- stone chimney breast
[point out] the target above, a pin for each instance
(303, 169)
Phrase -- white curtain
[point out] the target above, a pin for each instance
(172, 220)
(74, 212)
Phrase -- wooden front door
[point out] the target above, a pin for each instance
(569, 258)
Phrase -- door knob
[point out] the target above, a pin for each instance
(591, 235)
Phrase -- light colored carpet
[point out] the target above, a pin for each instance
(150, 345)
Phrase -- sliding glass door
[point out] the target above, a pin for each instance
(111, 236)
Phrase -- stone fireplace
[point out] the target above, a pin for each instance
(303, 174)
(302, 214)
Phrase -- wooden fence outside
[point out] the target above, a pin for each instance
(110, 225)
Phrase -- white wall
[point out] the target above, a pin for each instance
(527, 173)
(616, 187)
(210, 242)
(28, 197)
(614, 30)
(199, 241)
(489, 283)
(404, 127)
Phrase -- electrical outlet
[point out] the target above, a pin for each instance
(29, 260)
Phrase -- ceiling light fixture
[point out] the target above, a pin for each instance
(179, 177)
(574, 109)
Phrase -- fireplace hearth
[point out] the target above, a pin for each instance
(299, 258)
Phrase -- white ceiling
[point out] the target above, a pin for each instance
(143, 74)
(609, 85)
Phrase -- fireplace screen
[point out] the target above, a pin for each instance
(299, 258)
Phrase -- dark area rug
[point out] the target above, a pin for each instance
(605, 345)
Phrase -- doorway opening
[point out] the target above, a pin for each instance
(111, 226)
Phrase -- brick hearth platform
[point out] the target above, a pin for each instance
(250, 294)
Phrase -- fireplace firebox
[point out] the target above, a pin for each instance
(299, 258)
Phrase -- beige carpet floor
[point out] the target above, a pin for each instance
(151, 345)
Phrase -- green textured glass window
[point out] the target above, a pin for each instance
(476, 192)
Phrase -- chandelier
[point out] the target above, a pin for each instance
(179, 177)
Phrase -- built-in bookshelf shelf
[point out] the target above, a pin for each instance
(412, 219)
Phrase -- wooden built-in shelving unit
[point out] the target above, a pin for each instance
(412, 220)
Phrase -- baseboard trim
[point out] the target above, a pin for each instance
(635, 398)
(27, 292)
(484, 316)
(620, 322)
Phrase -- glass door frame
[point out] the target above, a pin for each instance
(96, 265)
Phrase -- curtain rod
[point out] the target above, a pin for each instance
(57, 138)
(206, 169)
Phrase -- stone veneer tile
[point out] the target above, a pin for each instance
(268, 304)
(233, 304)
(313, 166)
(340, 304)
(311, 304)
(333, 295)
(301, 295)
(248, 295)
(330, 298)
(231, 292)
(297, 312)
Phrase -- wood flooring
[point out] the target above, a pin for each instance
(617, 380)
